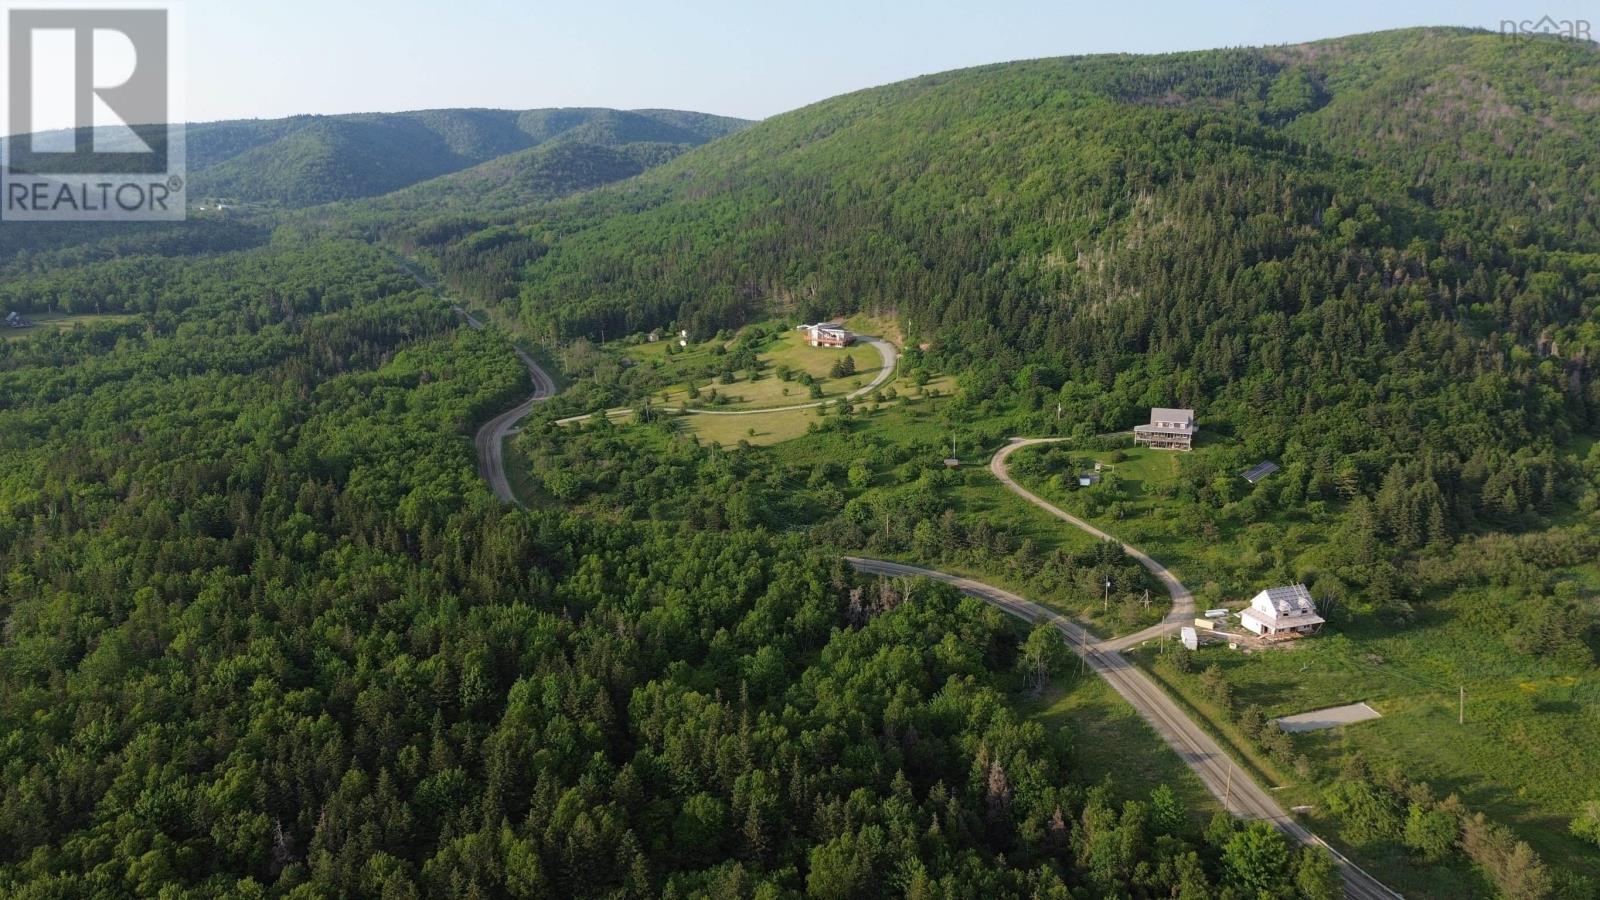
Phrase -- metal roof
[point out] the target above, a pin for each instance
(1259, 471)
(1288, 605)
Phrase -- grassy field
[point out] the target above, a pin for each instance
(784, 425)
(1223, 561)
(786, 350)
(758, 430)
(975, 495)
(980, 496)
(1111, 741)
(1527, 755)
(48, 322)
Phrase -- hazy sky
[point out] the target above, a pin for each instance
(266, 58)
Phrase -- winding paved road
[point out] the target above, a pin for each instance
(1240, 795)
(1182, 611)
(885, 349)
(490, 440)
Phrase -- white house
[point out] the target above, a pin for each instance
(1169, 429)
(1282, 612)
(827, 334)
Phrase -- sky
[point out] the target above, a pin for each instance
(254, 59)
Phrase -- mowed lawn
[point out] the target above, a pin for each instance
(766, 428)
(757, 430)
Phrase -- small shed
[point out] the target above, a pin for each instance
(1088, 479)
(950, 462)
(1259, 471)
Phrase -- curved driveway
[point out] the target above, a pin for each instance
(885, 349)
(1182, 611)
(1237, 792)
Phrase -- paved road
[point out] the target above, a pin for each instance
(1231, 786)
(490, 440)
(1182, 612)
(884, 348)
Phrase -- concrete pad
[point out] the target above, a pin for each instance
(1331, 717)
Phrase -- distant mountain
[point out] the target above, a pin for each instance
(517, 180)
(996, 205)
(308, 160)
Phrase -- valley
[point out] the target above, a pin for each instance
(938, 490)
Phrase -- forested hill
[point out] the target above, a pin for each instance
(305, 160)
(1012, 193)
(1380, 247)
(268, 636)
(514, 181)
(411, 166)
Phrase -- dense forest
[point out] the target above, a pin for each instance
(267, 635)
(1264, 235)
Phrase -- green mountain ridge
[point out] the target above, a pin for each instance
(308, 160)
(312, 159)
(1202, 230)
(518, 180)
(526, 157)
(268, 634)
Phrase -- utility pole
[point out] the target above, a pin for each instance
(1105, 601)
